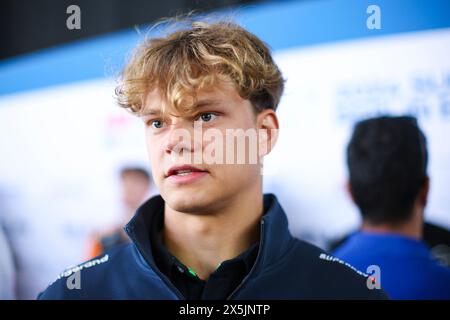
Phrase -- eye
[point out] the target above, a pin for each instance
(157, 124)
(207, 116)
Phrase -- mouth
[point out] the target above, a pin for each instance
(183, 170)
(185, 174)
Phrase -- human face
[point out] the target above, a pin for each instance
(134, 189)
(221, 110)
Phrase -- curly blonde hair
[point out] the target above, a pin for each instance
(197, 56)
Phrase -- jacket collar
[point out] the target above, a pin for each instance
(274, 242)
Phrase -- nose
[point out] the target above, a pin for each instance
(181, 137)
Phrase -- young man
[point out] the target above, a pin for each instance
(211, 234)
(387, 161)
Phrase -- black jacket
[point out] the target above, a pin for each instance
(285, 268)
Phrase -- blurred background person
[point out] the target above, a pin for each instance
(388, 181)
(135, 186)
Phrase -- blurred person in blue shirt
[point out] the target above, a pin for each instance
(387, 161)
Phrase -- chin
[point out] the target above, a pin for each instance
(188, 201)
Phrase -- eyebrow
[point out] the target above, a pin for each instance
(199, 104)
(150, 112)
(205, 103)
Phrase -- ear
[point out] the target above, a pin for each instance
(424, 191)
(348, 188)
(267, 125)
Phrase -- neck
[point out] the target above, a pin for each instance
(202, 241)
(411, 228)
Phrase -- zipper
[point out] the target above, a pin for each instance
(162, 276)
(254, 265)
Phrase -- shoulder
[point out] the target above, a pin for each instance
(332, 277)
(87, 279)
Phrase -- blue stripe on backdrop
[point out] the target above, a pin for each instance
(282, 24)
